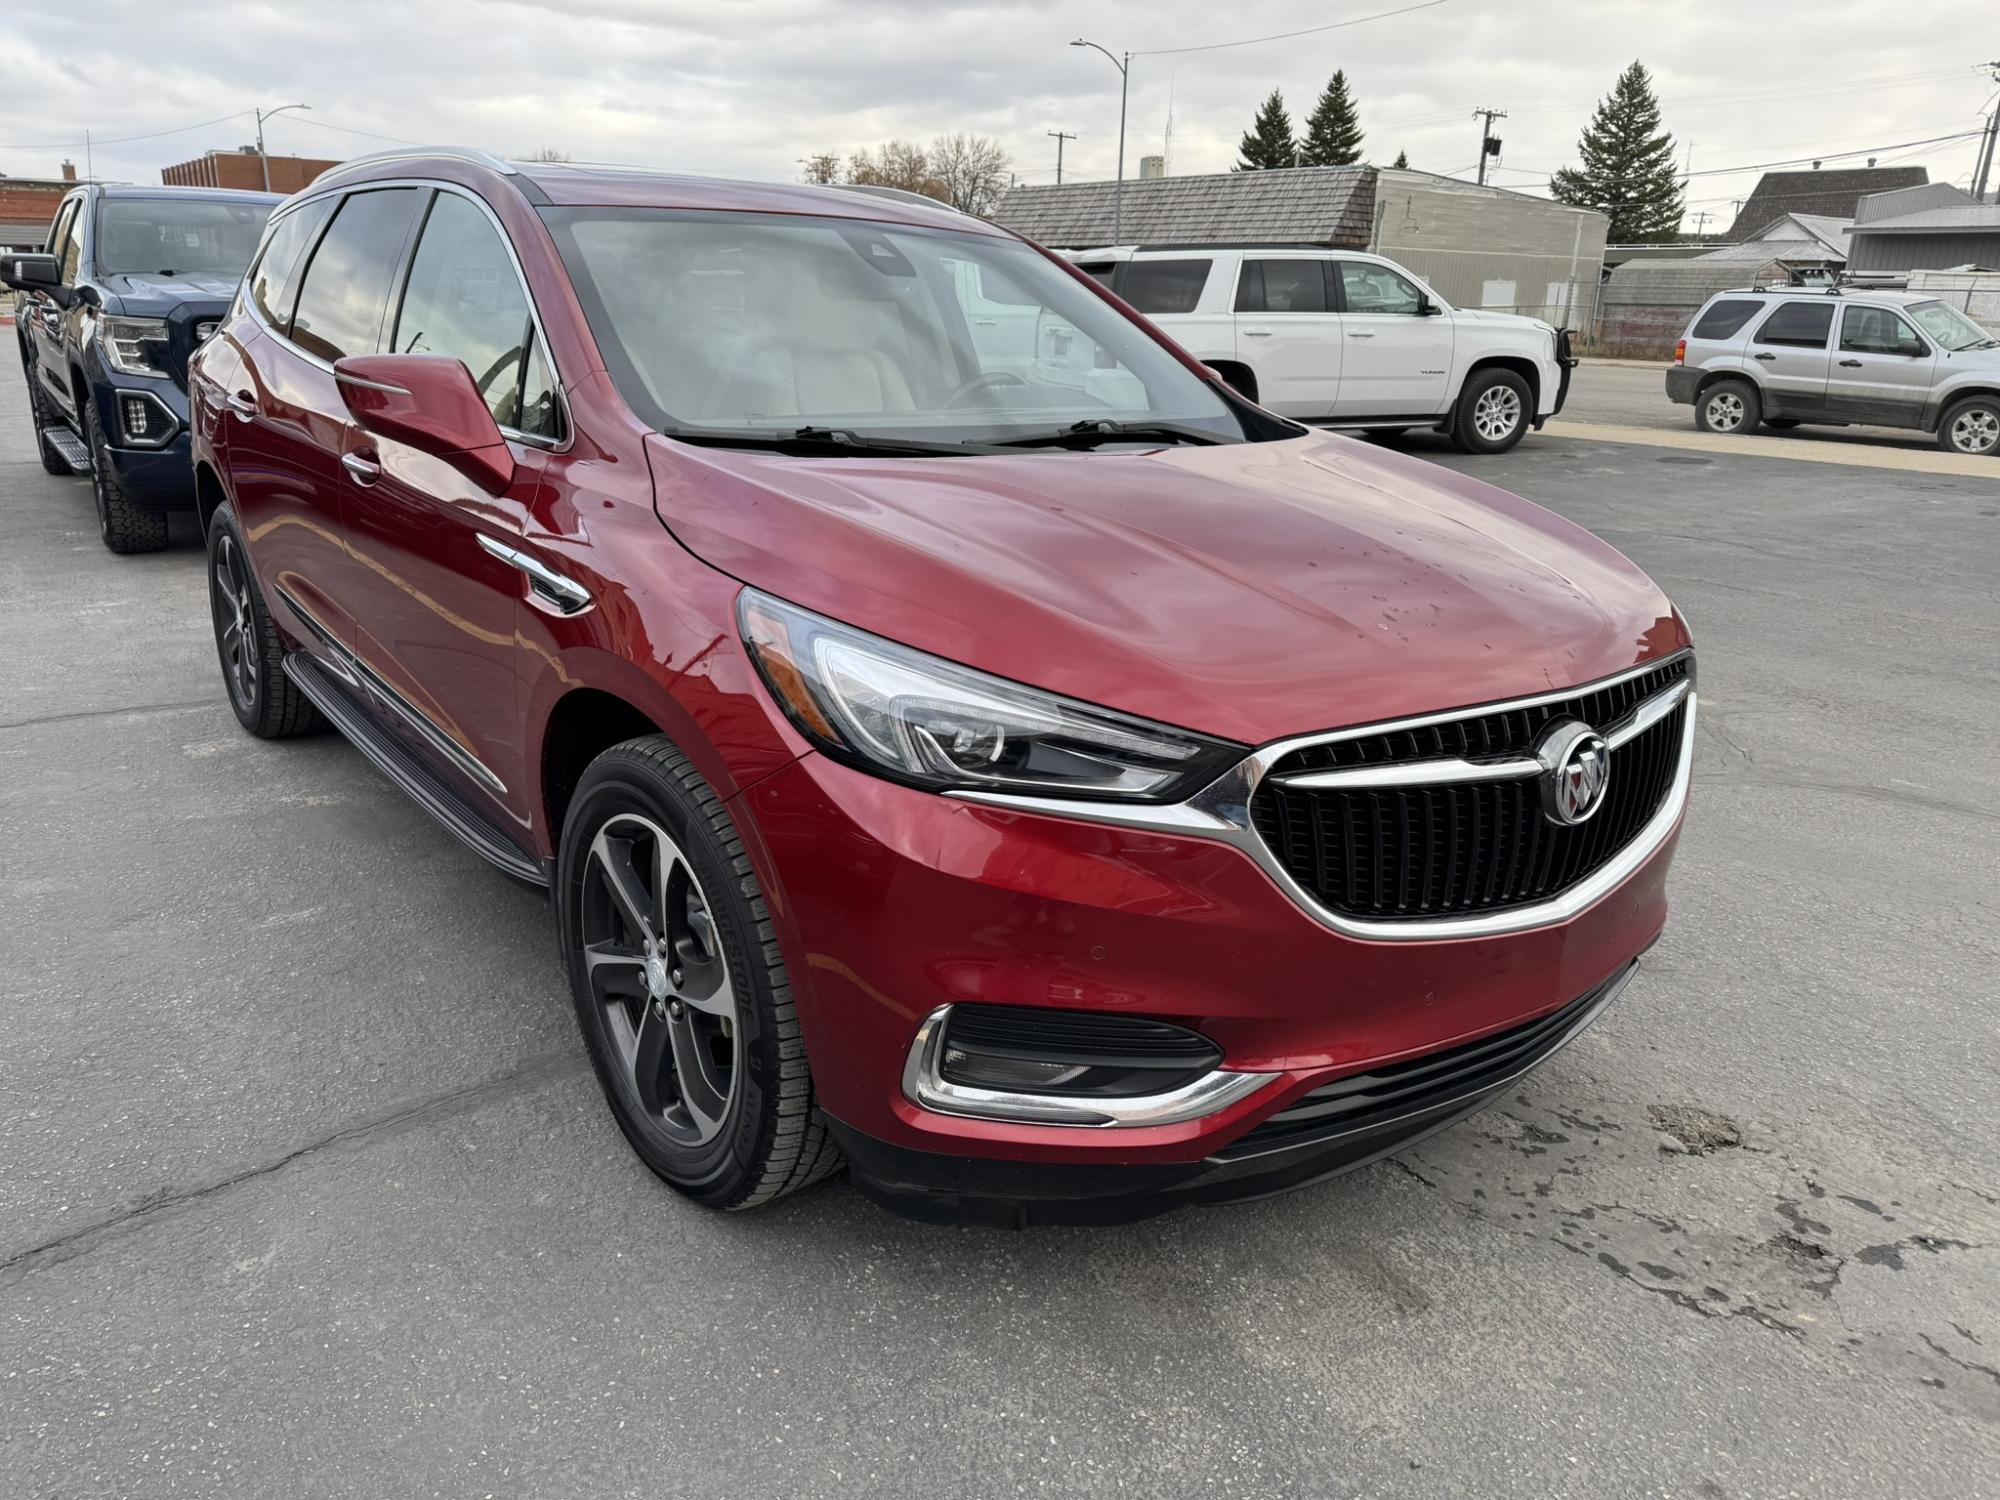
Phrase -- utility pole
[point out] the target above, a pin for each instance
(263, 115)
(1124, 88)
(89, 166)
(1700, 222)
(1061, 136)
(1488, 146)
(1984, 169)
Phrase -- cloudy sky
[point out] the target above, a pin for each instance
(747, 87)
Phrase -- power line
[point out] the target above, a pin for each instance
(1283, 36)
(120, 140)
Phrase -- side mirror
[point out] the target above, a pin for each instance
(1427, 308)
(31, 271)
(429, 402)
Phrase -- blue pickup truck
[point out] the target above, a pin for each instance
(131, 280)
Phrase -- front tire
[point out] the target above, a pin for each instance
(125, 527)
(1493, 412)
(1972, 427)
(266, 702)
(1728, 408)
(680, 990)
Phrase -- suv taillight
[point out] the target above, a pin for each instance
(1680, 351)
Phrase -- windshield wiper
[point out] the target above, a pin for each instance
(1097, 431)
(833, 440)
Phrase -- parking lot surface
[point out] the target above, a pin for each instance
(306, 1189)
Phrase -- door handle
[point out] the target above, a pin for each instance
(1256, 333)
(1766, 357)
(363, 471)
(242, 404)
(1361, 335)
(985, 322)
(1850, 364)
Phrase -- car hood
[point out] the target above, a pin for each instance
(1499, 319)
(1250, 590)
(142, 296)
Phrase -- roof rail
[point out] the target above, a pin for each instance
(472, 154)
(901, 195)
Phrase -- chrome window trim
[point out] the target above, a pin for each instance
(925, 1086)
(350, 666)
(1221, 811)
(527, 439)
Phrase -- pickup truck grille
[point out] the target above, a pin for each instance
(1447, 848)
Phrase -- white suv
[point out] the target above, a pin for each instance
(1343, 339)
(1887, 359)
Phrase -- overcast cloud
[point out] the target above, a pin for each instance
(746, 89)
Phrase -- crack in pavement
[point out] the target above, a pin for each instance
(78, 1242)
(1969, 1365)
(109, 713)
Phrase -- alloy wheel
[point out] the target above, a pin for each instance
(235, 624)
(1496, 413)
(1976, 431)
(1725, 411)
(658, 973)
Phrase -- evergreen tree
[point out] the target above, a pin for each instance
(1402, 161)
(1628, 166)
(1333, 133)
(1268, 143)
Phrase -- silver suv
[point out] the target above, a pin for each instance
(1838, 356)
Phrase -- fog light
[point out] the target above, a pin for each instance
(982, 1071)
(144, 421)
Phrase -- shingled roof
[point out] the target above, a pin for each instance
(1833, 192)
(1296, 206)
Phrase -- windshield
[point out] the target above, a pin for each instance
(1949, 326)
(765, 324)
(177, 236)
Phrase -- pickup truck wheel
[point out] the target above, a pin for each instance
(1492, 412)
(1729, 407)
(43, 418)
(1972, 426)
(124, 526)
(680, 990)
(266, 702)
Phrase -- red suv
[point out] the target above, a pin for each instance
(959, 735)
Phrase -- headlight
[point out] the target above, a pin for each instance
(912, 717)
(135, 346)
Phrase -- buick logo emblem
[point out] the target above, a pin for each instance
(1576, 768)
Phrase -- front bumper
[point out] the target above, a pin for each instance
(892, 902)
(155, 477)
(1681, 383)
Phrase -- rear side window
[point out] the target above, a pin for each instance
(1282, 286)
(464, 299)
(1724, 319)
(346, 286)
(274, 281)
(1164, 286)
(1100, 271)
(1801, 325)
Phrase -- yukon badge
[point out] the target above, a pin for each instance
(1576, 768)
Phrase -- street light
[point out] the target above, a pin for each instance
(263, 115)
(1124, 83)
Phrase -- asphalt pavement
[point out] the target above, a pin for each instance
(306, 1189)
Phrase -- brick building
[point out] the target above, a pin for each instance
(27, 204)
(244, 169)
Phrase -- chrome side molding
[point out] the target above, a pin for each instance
(546, 587)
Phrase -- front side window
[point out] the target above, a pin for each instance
(65, 216)
(1950, 327)
(1798, 325)
(274, 282)
(1282, 286)
(464, 299)
(70, 256)
(1164, 286)
(346, 287)
(1876, 330)
(177, 236)
(764, 324)
(1369, 288)
(1724, 319)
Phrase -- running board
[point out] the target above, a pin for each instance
(426, 788)
(68, 446)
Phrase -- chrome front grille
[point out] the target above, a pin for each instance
(1445, 818)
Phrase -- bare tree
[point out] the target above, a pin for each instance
(546, 153)
(972, 170)
(822, 167)
(897, 164)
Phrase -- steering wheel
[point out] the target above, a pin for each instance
(983, 382)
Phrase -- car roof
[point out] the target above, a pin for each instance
(1258, 247)
(1835, 294)
(146, 190)
(593, 185)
